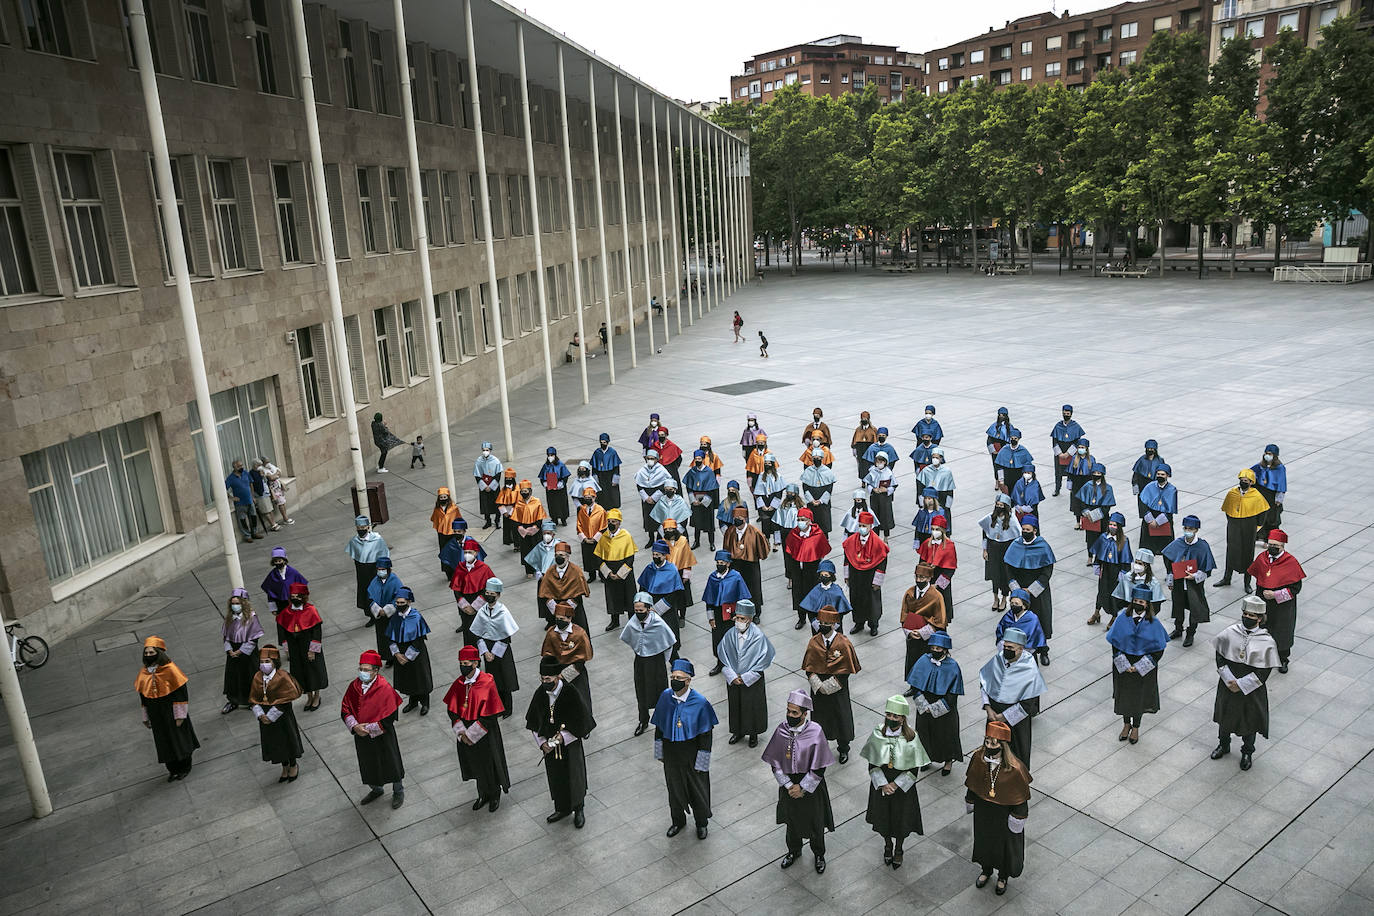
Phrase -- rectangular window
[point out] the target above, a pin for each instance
(200, 41)
(484, 308)
(84, 193)
(975, 57)
(1129, 29)
(1254, 28)
(1162, 23)
(446, 324)
(957, 59)
(1288, 21)
(1053, 69)
(398, 209)
(192, 235)
(1001, 52)
(333, 182)
(513, 203)
(503, 295)
(348, 51)
(94, 497)
(1104, 33)
(789, 78)
(768, 86)
(413, 335)
(262, 48)
(475, 205)
(244, 421)
(943, 86)
(1054, 42)
(293, 213)
(452, 212)
(1327, 16)
(367, 209)
(317, 384)
(1025, 74)
(1127, 58)
(942, 63)
(233, 209)
(1228, 32)
(1076, 39)
(1076, 65)
(825, 79)
(357, 363)
(377, 58)
(498, 230)
(17, 274)
(441, 87)
(1026, 48)
(383, 321)
(46, 27)
(552, 304)
(524, 294)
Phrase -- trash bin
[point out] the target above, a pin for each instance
(376, 502)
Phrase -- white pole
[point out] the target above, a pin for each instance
(713, 210)
(718, 209)
(190, 324)
(344, 378)
(727, 235)
(735, 213)
(601, 222)
(694, 167)
(708, 205)
(485, 191)
(624, 220)
(644, 228)
(21, 732)
(680, 248)
(417, 206)
(534, 214)
(658, 210)
(573, 228)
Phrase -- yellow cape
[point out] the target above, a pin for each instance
(1244, 505)
(614, 547)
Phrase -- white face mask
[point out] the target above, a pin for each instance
(236, 608)
(936, 460)
(930, 416)
(1026, 477)
(486, 452)
(864, 529)
(548, 538)
(803, 524)
(741, 625)
(937, 534)
(383, 573)
(1189, 536)
(469, 557)
(1082, 451)
(1137, 568)
(365, 676)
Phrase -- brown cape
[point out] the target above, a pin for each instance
(572, 585)
(281, 689)
(577, 648)
(751, 545)
(840, 659)
(931, 606)
(1013, 780)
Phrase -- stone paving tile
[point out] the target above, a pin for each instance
(1151, 828)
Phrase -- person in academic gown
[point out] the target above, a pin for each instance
(475, 710)
(828, 663)
(651, 640)
(1137, 640)
(702, 484)
(1097, 501)
(271, 694)
(713, 461)
(470, 577)
(882, 490)
(849, 522)
(606, 465)
(554, 474)
(451, 554)
(1027, 494)
(864, 436)
(559, 721)
(938, 477)
(928, 509)
(769, 490)
(865, 563)
(1141, 572)
(1021, 617)
(998, 793)
(241, 633)
(723, 591)
(817, 429)
(1011, 459)
(648, 438)
(583, 478)
(364, 548)
(725, 512)
(683, 560)
(798, 755)
(616, 551)
(528, 516)
(923, 614)
(301, 630)
(406, 633)
(1246, 656)
(381, 592)
(279, 579)
(1063, 437)
(806, 546)
(748, 548)
(879, 446)
(999, 434)
(1243, 507)
(818, 490)
(1278, 578)
(441, 518)
(490, 632)
(683, 721)
(540, 557)
(570, 645)
(1000, 527)
(591, 524)
(935, 685)
(816, 447)
(1190, 563)
(1271, 479)
(663, 583)
(369, 709)
(827, 592)
(753, 462)
(895, 757)
(1143, 471)
(920, 455)
(649, 482)
(1011, 687)
(1160, 500)
(1030, 563)
(939, 551)
(1109, 556)
(752, 432)
(166, 706)
(1079, 470)
(929, 426)
(671, 506)
(744, 654)
(507, 496)
(669, 455)
(486, 472)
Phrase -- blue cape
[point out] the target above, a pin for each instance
(921, 523)
(490, 466)
(942, 679)
(1157, 500)
(1094, 498)
(1105, 550)
(1008, 457)
(1146, 467)
(408, 628)
(676, 508)
(659, 581)
(540, 557)
(940, 479)
(700, 480)
(1035, 555)
(881, 448)
(384, 593)
(921, 453)
(819, 597)
(726, 507)
(1027, 494)
(726, 589)
(817, 477)
(367, 550)
(924, 426)
(1069, 432)
(654, 638)
(1130, 637)
(557, 467)
(1275, 479)
(1028, 624)
(1179, 549)
(683, 721)
(1011, 684)
(1125, 584)
(605, 459)
(999, 431)
(756, 655)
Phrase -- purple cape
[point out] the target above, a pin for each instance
(808, 750)
(278, 588)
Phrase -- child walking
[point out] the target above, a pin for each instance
(763, 345)
(417, 452)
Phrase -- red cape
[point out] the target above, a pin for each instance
(668, 452)
(815, 546)
(1279, 574)
(470, 581)
(481, 699)
(294, 621)
(380, 701)
(864, 556)
(941, 556)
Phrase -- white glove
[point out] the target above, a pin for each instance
(1199, 576)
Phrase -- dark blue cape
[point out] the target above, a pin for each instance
(921, 454)
(659, 580)
(1157, 500)
(725, 590)
(922, 520)
(384, 593)
(557, 467)
(1088, 495)
(1008, 457)
(1035, 555)
(1027, 494)
(1179, 549)
(942, 679)
(924, 426)
(605, 459)
(881, 448)
(1069, 432)
(700, 480)
(451, 554)
(999, 431)
(1137, 638)
(1105, 550)
(685, 720)
(1028, 624)
(408, 628)
(818, 598)
(1146, 467)
(1275, 479)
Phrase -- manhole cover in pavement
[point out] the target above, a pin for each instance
(117, 641)
(749, 387)
(140, 609)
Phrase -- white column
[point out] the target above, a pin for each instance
(680, 249)
(712, 199)
(343, 377)
(601, 222)
(21, 732)
(698, 216)
(726, 214)
(740, 242)
(190, 324)
(476, 104)
(534, 214)
(672, 216)
(644, 227)
(572, 228)
(417, 206)
(718, 159)
(624, 221)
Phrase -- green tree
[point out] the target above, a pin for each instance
(1231, 176)
(1342, 121)
(1288, 138)
(1098, 154)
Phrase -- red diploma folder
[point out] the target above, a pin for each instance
(1090, 525)
(727, 610)
(551, 480)
(914, 621)
(1163, 530)
(1183, 568)
(1063, 459)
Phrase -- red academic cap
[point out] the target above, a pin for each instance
(866, 518)
(370, 657)
(1278, 535)
(939, 521)
(298, 588)
(468, 654)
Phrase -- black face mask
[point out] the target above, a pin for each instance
(826, 628)
(548, 688)
(1250, 623)
(278, 564)
(739, 523)
(1018, 610)
(642, 615)
(722, 567)
(150, 660)
(679, 685)
(1275, 551)
(1097, 478)
(894, 724)
(1244, 484)
(362, 532)
(489, 599)
(1028, 537)
(937, 654)
(297, 602)
(588, 502)
(1162, 481)
(882, 438)
(467, 670)
(923, 585)
(795, 721)
(1009, 654)
(827, 579)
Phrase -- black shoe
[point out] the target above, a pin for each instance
(556, 817)
(820, 865)
(675, 829)
(701, 831)
(1188, 639)
(788, 859)
(897, 858)
(1044, 655)
(579, 818)
(397, 800)
(887, 852)
(1245, 760)
(1001, 887)
(411, 706)
(171, 777)
(1055, 493)
(799, 624)
(614, 624)
(228, 708)
(486, 524)
(369, 623)
(1177, 632)
(639, 729)
(856, 628)
(495, 802)
(910, 692)
(872, 631)
(1220, 751)
(424, 709)
(714, 671)
(1223, 583)
(371, 797)
(477, 805)
(734, 739)
(844, 757)
(753, 740)
(1283, 668)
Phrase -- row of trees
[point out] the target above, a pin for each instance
(1170, 139)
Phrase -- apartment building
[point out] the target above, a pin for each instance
(828, 66)
(1261, 21)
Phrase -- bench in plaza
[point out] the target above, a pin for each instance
(1137, 272)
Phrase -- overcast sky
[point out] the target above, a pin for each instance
(691, 48)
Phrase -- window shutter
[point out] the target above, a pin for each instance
(443, 64)
(421, 84)
(319, 343)
(434, 227)
(163, 21)
(390, 81)
(195, 216)
(78, 29)
(487, 83)
(379, 208)
(338, 220)
(120, 253)
(319, 50)
(219, 41)
(399, 369)
(421, 333)
(282, 37)
(304, 235)
(448, 329)
(248, 223)
(362, 63)
(407, 227)
(357, 367)
(35, 221)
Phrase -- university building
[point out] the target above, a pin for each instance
(103, 469)
(828, 66)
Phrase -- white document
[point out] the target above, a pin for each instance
(1144, 666)
(1012, 714)
(1121, 663)
(1249, 684)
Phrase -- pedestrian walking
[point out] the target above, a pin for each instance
(385, 441)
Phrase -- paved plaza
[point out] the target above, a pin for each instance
(1213, 370)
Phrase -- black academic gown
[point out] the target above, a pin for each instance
(1042, 604)
(866, 600)
(311, 675)
(238, 676)
(1239, 713)
(1021, 732)
(651, 679)
(565, 768)
(414, 679)
(608, 497)
(689, 789)
(834, 713)
(995, 847)
(897, 815)
(1134, 696)
(1189, 600)
(808, 817)
(281, 740)
(940, 736)
(820, 511)
(484, 761)
(748, 707)
(365, 573)
(1240, 544)
(502, 669)
(379, 759)
(1281, 620)
(174, 743)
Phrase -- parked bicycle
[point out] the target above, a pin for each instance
(27, 651)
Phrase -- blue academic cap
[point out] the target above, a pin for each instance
(940, 638)
(1141, 593)
(1014, 432)
(384, 562)
(1271, 447)
(405, 592)
(1022, 594)
(1150, 443)
(550, 451)
(1165, 468)
(604, 437)
(1001, 411)
(882, 430)
(745, 608)
(930, 408)
(1003, 498)
(1099, 468)
(460, 524)
(362, 521)
(1084, 441)
(699, 453)
(548, 525)
(732, 485)
(1030, 520)
(1117, 517)
(1192, 521)
(493, 585)
(685, 667)
(486, 445)
(660, 547)
(1068, 407)
(723, 555)
(930, 491)
(825, 566)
